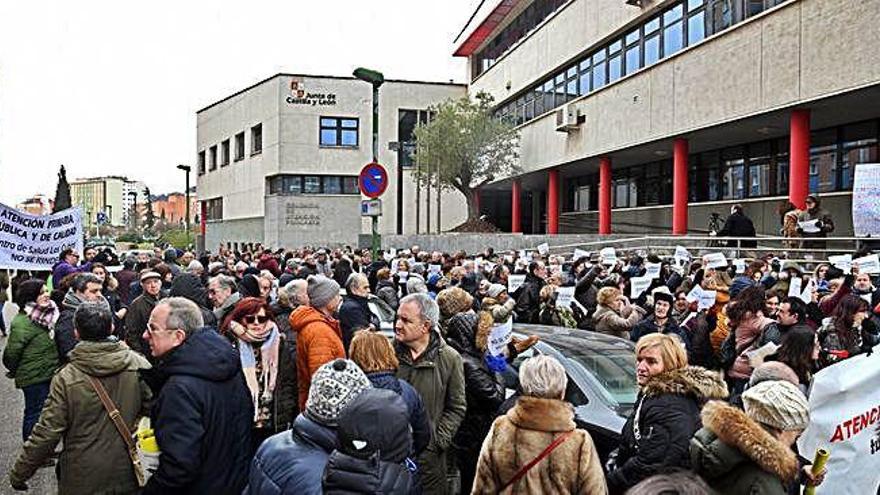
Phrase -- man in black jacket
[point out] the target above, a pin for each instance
(354, 313)
(739, 225)
(204, 413)
(529, 301)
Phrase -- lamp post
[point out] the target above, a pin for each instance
(375, 78)
(132, 210)
(186, 169)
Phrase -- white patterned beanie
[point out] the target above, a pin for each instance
(333, 387)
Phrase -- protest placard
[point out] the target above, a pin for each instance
(682, 256)
(866, 200)
(564, 296)
(33, 242)
(740, 265)
(544, 249)
(694, 294)
(652, 270)
(514, 282)
(715, 260)
(499, 337)
(608, 255)
(580, 253)
(810, 226)
(637, 285)
(868, 264)
(843, 261)
(795, 287)
(707, 299)
(434, 268)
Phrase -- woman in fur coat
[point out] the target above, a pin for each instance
(539, 419)
(667, 412)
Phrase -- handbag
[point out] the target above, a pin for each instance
(525, 469)
(123, 430)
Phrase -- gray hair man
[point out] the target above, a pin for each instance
(355, 314)
(436, 371)
(223, 295)
(85, 288)
(204, 380)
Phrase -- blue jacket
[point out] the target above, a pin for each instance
(418, 417)
(203, 418)
(293, 461)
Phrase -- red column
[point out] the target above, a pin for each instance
(604, 196)
(515, 216)
(553, 201)
(799, 158)
(680, 187)
(202, 221)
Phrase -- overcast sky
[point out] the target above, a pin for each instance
(111, 88)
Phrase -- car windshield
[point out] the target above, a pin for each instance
(614, 368)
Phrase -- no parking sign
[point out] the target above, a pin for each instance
(373, 180)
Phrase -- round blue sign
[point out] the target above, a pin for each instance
(373, 180)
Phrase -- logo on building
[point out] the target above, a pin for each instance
(299, 96)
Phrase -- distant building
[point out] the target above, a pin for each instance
(110, 195)
(172, 207)
(39, 204)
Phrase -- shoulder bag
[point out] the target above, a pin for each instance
(123, 430)
(525, 469)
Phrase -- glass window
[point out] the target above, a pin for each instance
(759, 179)
(853, 157)
(696, 27)
(614, 68)
(213, 156)
(582, 198)
(336, 131)
(615, 47)
(201, 162)
(332, 185)
(599, 69)
(652, 50)
(632, 37)
(823, 161)
(312, 184)
(256, 139)
(585, 78)
(672, 15)
(548, 95)
(672, 38)
(694, 5)
(239, 146)
(350, 185)
(274, 185)
(633, 59)
(292, 184)
(224, 153)
(652, 26)
(721, 14)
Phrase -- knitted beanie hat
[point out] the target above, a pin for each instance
(321, 290)
(495, 290)
(334, 385)
(778, 404)
(454, 300)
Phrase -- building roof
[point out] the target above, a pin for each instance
(486, 28)
(318, 76)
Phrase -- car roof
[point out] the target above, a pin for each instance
(572, 338)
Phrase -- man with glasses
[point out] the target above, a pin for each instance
(203, 413)
(355, 314)
(223, 295)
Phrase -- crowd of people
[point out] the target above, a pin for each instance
(272, 371)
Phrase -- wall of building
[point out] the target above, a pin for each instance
(330, 220)
(234, 230)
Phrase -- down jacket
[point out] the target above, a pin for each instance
(318, 341)
(736, 456)
(418, 417)
(30, 355)
(529, 299)
(667, 413)
(522, 434)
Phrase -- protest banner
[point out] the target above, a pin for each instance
(843, 261)
(715, 260)
(637, 285)
(707, 299)
(682, 255)
(608, 255)
(514, 282)
(499, 337)
(434, 268)
(564, 296)
(652, 270)
(544, 249)
(694, 294)
(868, 264)
(866, 199)
(33, 242)
(844, 416)
(580, 253)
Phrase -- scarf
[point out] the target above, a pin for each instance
(271, 342)
(72, 300)
(43, 316)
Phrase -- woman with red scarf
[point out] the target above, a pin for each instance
(268, 370)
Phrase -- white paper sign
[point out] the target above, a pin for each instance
(499, 337)
(844, 416)
(810, 226)
(33, 242)
(868, 264)
(522, 253)
(795, 287)
(637, 285)
(866, 199)
(403, 276)
(843, 261)
(580, 253)
(434, 268)
(564, 296)
(544, 249)
(682, 255)
(707, 299)
(740, 265)
(608, 255)
(807, 294)
(652, 270)
(694, 294)
(514, 282)
(715, 260)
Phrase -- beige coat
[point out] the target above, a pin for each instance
(608, 321)
(521, 435)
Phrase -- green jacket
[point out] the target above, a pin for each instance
(438, 376)
(736, 456)
(30, 354)
(94, 459)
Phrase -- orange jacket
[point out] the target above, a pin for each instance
(318, 341)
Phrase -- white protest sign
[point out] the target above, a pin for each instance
(434, 268)
(694, 294)
(740, 265)
(795, 287)
(652, 270)
(807, 294)
(514, 282)
(403, 276)
(522, 253)
(33, 242)
(866, 199)
(499, 337)
(707, 299)
(715, 260)
(564, 296)
(868, 264)
(544, 249)
(843, 261)
(580, 253)
(844, 415)
(810, 226)
(638, 285)
(682, 255)
(608, 255)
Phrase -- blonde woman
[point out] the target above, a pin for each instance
(614, 314)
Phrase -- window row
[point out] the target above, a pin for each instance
(223, 157)
(213, 209)
(407, 121)
(750, 171)
(338, 131)
(518, 28)
(287, 185)
(662, 35)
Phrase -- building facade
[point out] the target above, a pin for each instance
(171, 208)
(278, 162)
(38, 204)
(114, 196)
(646, 116)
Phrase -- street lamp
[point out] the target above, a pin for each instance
(132, 209)
(375, 78)
(186, 169)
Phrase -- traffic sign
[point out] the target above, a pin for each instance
(373, 180)
(371, 207)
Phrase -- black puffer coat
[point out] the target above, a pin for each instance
(372, 445)
(484, 390)
(190, 286)
(529, 300)
(667, 415)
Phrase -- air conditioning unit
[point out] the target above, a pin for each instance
(569, 118)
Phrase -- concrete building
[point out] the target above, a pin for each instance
(98, 194)
(278, 162)
(133, 199)
(172, 207)
(645, 116)
(39, 204)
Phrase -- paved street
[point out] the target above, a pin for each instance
(10, 438)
